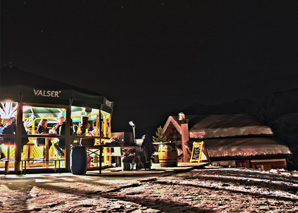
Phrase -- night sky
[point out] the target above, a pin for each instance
(153, 58)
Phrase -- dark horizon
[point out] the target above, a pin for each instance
(154, 58)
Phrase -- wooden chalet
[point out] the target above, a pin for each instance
(234, 140)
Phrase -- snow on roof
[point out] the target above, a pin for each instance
(245, 147)
(222, 125)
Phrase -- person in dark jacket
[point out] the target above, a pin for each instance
(148, 150)
(60, 130)
(11, 130)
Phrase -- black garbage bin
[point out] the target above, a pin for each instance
(78, 160)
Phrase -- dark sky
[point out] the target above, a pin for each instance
(154, 57)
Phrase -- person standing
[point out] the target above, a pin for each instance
(60, 130)
(148, 150)
(85, 127)
(11, 129)
(42, 129)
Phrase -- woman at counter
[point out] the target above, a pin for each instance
(42, 129)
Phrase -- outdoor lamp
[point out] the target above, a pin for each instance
(131, 124)
(133, 130)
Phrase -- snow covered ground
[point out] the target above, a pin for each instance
(198, 190)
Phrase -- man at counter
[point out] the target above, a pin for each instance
(60, 130)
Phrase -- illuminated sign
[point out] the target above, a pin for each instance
(46, 93)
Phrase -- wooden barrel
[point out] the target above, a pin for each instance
(167, 154)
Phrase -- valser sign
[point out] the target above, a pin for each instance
(47, 93)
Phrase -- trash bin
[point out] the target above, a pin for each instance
(78, 160)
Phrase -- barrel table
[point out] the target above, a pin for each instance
(167, 154)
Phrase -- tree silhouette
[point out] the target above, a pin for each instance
(159, 136)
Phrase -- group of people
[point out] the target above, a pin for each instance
(42, 128)
(59, 129)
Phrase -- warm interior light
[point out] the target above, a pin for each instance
(8, 109)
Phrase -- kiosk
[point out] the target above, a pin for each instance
(30, 98)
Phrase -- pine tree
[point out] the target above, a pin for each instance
(159, 136)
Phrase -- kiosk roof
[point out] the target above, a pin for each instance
(17, 85)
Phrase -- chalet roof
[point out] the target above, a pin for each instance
(220, 126)
(245, 147)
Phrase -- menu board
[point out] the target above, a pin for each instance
(196, 151)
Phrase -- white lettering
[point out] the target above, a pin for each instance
(35, 92)
(46, 93)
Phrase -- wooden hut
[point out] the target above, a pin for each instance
(230, 139)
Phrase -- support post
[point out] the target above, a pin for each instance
(134, 134)
(18, 143)
(185, 139)
(67, 137)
